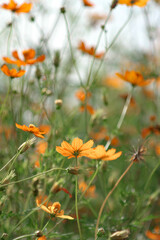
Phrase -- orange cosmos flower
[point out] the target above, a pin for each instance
(51, 208)
(153, 236)
(29, 58)
(139, 3)
(76, 149)
(87, 3)
(41, 147)
(36, 131)
(81, 95)
(102, 154)
(24, 8)
(90, 50)
(113, 82)
(101, 134)
(91, 190)
(151, 129)
(89, 108)
(13, 73)
(42, 238)
(135, 78)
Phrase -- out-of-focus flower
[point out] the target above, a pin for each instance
(82, 96)
(87, 3)
(157, 149)
(90, 191)
(95, 18)
(45, 128)
(29, 58)
(76, 149)
(102, 154)
(32, 129)
(151, 129)
(24, 8)
(155, 235)
(13, 73)
(114, 141)
(113, 82)
(51, 208)
(42, 238)
(90, 50)
(135, 78)
(41, 147)
(89, 108)
(139, 3)
(100, 135)
(132, 101)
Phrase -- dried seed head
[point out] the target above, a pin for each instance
(138, 155)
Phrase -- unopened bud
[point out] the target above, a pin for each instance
(114, 4)
(4, 236)
(38, 73)
(73, 170)
(58, 103)
(38, 233)
(48, 92)
(63, 10)
(100, 232)
(55, 188)
(24, 147)
(56, 60)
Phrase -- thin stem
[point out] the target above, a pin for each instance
(123, 114)
(124, 110)
(37, 175)
(76, 203)
(108, 195)
(46, 225)
(71, 50)
(98, 41)
(111, 44)
(24, 236)
(151, 175)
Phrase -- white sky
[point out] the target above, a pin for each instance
(27, 34)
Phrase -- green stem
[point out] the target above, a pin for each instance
(111, 44)
(46, 225)
(24, 236)
(76, 203)
(123, 114)
(37, 175)
(71, 50)
(151, 175)
(98, 41)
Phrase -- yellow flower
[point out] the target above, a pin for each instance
(51, 208)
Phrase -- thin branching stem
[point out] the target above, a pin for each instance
(108, 195)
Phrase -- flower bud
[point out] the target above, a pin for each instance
(24, 147)
(58, 103)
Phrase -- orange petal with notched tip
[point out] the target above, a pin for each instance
(77, 143)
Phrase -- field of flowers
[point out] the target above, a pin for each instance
(80, 120)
